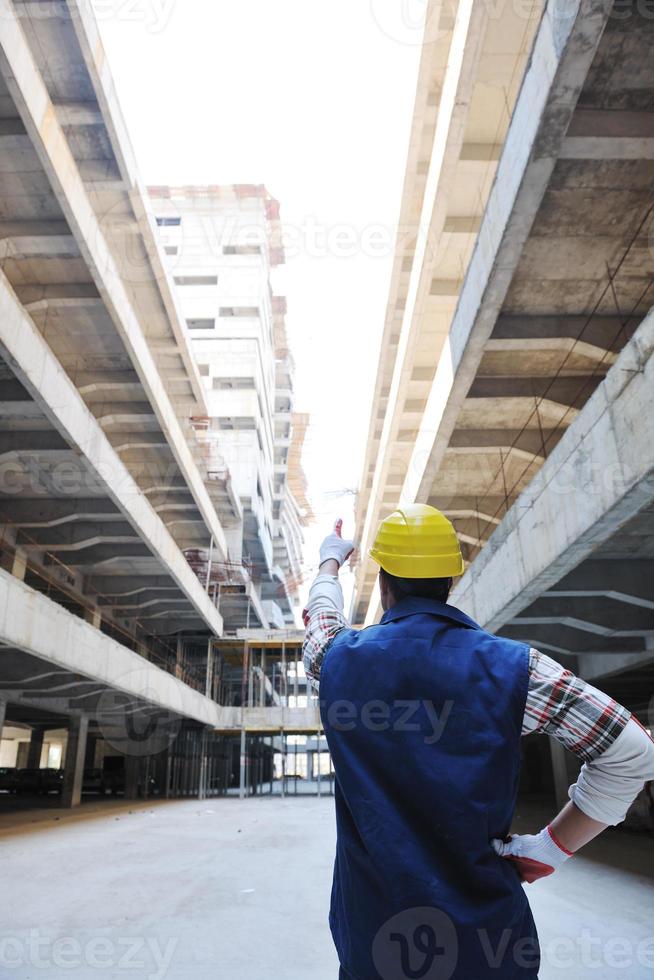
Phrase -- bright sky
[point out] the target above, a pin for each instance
(314, 100)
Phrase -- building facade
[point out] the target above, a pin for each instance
(144, 501)
(221, 245)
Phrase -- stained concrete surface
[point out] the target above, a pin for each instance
(238, 890)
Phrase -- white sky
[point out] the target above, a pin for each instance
(314, 100)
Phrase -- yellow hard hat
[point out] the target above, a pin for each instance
(417, 541)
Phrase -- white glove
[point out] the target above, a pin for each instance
(335, 547)
(534, 855)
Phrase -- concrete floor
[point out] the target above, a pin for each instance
(231, 890)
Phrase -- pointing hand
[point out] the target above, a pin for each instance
(335, 546)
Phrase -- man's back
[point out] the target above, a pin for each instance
(423, 717)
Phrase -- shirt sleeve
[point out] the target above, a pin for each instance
(606, 788)
(585, 720)
(616, 751)
(323, 618)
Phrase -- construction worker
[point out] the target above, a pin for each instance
(423, 715)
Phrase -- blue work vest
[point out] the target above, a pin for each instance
(423, 716)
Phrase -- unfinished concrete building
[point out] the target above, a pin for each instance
(128, 545)
(221, 244)
(515, 387)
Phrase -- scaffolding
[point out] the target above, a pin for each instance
(271, 742)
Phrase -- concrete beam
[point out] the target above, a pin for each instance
(79, 114)
(73, 536)
(612, 123)
(462, 224)
(595, 667)
(590, 615)
(36, 367)
(563, 51)
(566, 639)
(31, 441)
(623, 581)
(600, 331)
(97, 553)
(481, 152)
(272, 720)
(600, 476)
(530, 441)
(33, 228)
(573, 392)
(85, 26)
(122, 586)
(60, 296)
(448, 139)
(35, 624)
(148, 600)
(27, 89)
(51, 513)
(607, 148)
(23, 247)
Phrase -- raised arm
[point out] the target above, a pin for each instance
(323, 615)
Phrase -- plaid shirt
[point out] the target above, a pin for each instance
(559, 703)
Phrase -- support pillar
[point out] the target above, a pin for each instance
(209, 685)
(146, 777)
(565, 769)
(91, 745)
(36, 748)
(241, 784)
(202, 788)
(93, 616)
(71, 794)
(132, 773)
(19, 564)
(3, 714)
(169, 770)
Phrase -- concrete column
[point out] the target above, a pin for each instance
(94, 617)
(565, 768)
(35, 749)
(91, 745)
(19, 565)
(146, 777)
(3, 712)
(168, 771)
(241, 786)
(132, 773)
(71, 794)
(209, 685)
(202, 789)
